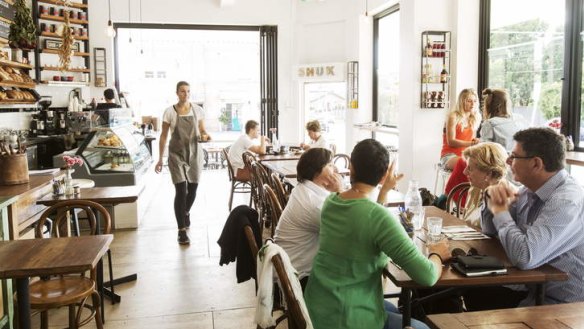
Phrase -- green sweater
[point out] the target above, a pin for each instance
(344, 289)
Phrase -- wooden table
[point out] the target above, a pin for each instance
(451, 278)
(107, 197)
(278, 157)
(285, 169)
(547, 316)
(575, 158)
(22, 259)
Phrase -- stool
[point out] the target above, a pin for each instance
(442, 174)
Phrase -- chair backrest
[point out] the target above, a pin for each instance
(279, 189)
(225, 153)
(251, 242)
(61, 211)
(294, 313)
(333, 148)
(455, 203)
(342, 161)
(274, 207)
(248, 158)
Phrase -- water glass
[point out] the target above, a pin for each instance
(434, 228)
(418, 219)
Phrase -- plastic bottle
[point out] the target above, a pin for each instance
(413, 203)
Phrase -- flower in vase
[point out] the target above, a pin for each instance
(70, 161)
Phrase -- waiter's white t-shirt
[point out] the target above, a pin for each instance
(170, 115)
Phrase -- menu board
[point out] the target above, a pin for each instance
(6, 10)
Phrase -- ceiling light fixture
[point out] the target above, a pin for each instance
(130, 18)
(110, 31)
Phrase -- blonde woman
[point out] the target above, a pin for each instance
(486, 166)
(460, 128)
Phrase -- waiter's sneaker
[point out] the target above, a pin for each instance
(188, 220)
(183, 238)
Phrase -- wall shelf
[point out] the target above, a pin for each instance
(55, 35)
(60, 3)
(62, 19)
(17, 84)
(65, 83)
(16, 64)
(51, 68)
(56, 52)
(435, 69)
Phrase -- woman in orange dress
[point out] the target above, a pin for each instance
(460, 128)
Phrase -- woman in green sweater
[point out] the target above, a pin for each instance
(356, 238)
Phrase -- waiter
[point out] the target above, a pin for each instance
(185, 155)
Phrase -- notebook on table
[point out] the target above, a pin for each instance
(477, 265)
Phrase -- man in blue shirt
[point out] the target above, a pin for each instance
(542, 222)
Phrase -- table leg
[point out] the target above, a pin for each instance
(100, 287)
(23, 303)
(539, 293)
(407, 307)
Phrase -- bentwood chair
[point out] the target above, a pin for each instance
(237, 185)
(455, 203)
(248, 160)
(68, 290)
(278, 187)
(342, 161)
(275, 209)
(259, 177)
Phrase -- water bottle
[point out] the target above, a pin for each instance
(413, 203)
(275, 144)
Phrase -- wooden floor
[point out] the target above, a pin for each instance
(178, 286)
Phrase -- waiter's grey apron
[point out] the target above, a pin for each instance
(185, 156)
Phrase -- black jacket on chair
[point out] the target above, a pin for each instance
(233, 241)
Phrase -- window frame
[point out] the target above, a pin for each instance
(570, 108)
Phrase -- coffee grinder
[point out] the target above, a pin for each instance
(46, 116)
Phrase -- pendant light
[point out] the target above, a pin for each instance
(110, 31)
(130, 18)
(141, 41)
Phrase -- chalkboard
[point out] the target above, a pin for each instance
(6, 10)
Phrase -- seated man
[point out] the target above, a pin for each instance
(315, 134)
(299, 224)
(110, 100)
(245, 143)
(539, 224)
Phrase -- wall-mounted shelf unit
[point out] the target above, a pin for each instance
(49, 17)
(435, 69)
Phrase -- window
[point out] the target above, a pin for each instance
(525, 56)
(386, 62)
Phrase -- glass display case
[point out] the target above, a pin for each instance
(114, 156)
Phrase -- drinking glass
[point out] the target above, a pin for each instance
(434, 228)
(418, 219)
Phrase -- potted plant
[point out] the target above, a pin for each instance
(224, 119)
(22, 30)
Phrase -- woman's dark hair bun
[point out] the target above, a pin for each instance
(487, 91)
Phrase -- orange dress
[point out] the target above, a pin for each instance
(464, 134)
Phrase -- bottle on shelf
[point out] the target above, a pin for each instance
(427, 74)
(429, 49)
(444, 75)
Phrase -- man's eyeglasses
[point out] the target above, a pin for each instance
(513, 157)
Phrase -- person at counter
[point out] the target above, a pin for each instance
(110, 100)
(315, 134)
(245, 143)
(185, 154)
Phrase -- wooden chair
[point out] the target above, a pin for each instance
(237, 186)
(342, 161)
(293, 312)
(275, 209)
(248, 160)
(333, 148)
(259, 177)
(278, 187)
(455, 201)
(70, 291)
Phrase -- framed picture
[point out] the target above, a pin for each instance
(99, 62)
(56, 44)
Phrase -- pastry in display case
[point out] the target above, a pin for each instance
(115, 156)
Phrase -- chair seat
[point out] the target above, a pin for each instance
(59, 291)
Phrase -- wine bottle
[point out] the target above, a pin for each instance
(444, 75)
(429, 48)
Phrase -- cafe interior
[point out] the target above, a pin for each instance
(81, 190)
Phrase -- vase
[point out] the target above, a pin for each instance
(69, 181)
